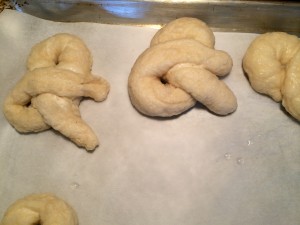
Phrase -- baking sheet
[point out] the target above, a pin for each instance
(197, 168)
(230, 15)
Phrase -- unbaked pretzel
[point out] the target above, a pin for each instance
(46, 209)
(180, 68)
(48, 95)
(272, 63)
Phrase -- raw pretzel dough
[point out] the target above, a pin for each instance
(180, 68)
(59, 75)
(272, 63)
(44, 209)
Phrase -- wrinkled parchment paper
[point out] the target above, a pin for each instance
(197, 168)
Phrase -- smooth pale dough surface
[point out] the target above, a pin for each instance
(272, 63)
(185, 43)
(48, 95)
(40, 209)
(193, 169)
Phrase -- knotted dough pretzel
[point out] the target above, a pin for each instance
(46, 209)
(272, 63)
(48, 95)
(179, 68)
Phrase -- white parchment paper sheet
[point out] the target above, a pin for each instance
(197, 168)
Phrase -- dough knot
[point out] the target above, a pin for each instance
(48, 95)
(272, 64)
(180, 68)
(40, 209)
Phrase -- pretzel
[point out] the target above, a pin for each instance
(272, 64)
(48, 95)
(180, 68)
(40, 209)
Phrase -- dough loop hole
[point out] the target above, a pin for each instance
(163, 80)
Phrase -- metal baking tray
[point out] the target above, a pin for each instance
(233, 16)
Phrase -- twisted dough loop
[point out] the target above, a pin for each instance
(46, 209)
(272, 63)
(180, 68)
(48, 95)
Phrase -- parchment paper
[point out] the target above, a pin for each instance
(197, 168)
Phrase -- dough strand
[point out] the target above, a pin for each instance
(48, 95)
(179, 68)
(46, 209)
(272, 64)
